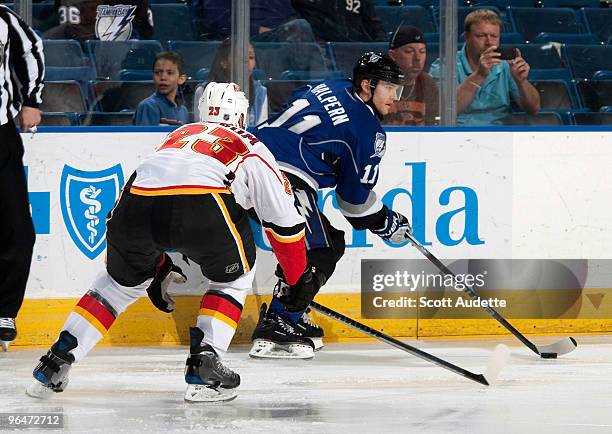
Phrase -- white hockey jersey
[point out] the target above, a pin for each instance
(206, 157)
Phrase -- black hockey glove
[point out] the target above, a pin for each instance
(395, 229)
(165, 272)
(297, 297)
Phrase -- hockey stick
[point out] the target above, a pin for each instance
(564, 346)
(496, 362)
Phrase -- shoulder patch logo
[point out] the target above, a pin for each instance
(86, 199)
(380, 145)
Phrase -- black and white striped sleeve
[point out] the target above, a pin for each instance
(26, 60)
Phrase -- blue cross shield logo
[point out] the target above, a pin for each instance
(86, 198)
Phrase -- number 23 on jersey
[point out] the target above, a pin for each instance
(218, 143)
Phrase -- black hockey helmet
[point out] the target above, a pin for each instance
(374, 67)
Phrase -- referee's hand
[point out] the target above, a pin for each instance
(28, 117)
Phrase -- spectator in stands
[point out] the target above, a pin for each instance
(419, 102)
(341, 20)
(220, 72)
(106, 20)
(487, 84)
(162, 108)
(271, 20)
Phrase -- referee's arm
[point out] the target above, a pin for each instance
(27, 68)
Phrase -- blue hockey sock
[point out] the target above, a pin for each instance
(279, 308)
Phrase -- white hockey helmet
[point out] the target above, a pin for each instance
(224, 103)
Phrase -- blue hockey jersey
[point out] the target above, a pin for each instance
(329, 137)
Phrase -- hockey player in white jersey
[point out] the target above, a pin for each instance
(190, 196)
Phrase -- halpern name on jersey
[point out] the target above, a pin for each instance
(330, 103)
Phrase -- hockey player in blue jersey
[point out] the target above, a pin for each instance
(328, 136)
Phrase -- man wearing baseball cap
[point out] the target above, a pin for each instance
(419, 103)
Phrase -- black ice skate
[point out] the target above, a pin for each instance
(51, 374)
(275, 338)
(208, 380)
(8, 332)
(310, 330)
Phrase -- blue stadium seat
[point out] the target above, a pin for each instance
(424, 3)
(585, 60)
(598, 22)
(115, 96)
(63, 52)
(595, 94)
(602, 75)
(530, 22)
(566, 38)
(62, 96)
(202, 74)
(574, 4)
(556, 95)
(109, 57)
(172, 22)
(276, 57)
(540, 119)
(545, 62)
(58, 119)
(592, 118)
(116, 119)
(134, 75)
(393, 16)
(503, 4)
(196, 54)
(64, 60)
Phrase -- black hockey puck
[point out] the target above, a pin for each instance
(548, 355)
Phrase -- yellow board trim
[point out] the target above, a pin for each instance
(221, 317)
(40, 321)
(235, 233)
(91, 319)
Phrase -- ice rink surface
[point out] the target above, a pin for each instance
(348, 387)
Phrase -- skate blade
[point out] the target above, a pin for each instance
(38, 390)
(201, 393)
(269, 350)
(5, 345)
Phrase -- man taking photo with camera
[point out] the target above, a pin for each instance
(488, 84)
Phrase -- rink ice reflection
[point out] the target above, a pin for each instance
(350, 387)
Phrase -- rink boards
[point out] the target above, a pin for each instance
(469, 194)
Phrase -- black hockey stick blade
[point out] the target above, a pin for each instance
(497, 361)
(546, 352)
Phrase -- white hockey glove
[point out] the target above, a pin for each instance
(165, 273)
(395, 229)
